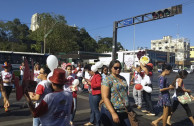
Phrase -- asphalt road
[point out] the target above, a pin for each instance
(22, 117)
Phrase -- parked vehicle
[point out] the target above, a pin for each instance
(176, 70)
(159, 70)
(189, 70)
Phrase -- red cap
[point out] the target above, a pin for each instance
(150, 65)
(58, 76)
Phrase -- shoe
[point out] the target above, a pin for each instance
(71, 123)
(139, 107)
(144, 111)
(150, 114)
(88, 124)
(6, 110)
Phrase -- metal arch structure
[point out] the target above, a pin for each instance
(141, 19)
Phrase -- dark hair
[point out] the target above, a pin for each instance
(68, 66)
(112, 64)
(103, 67)
(166, 66)
(148, 68)
(181, 74)
(88, 67)
(46, 70)
(60, 86)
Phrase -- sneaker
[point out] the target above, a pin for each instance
(139, 107)
(150, 114)
(88, 124)
(144, 111)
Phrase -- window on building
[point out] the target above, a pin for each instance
(172, 47)
(160, 47)
(159, 43)
(166, 47)
(166, 41)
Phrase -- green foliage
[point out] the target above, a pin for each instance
(54, 31)
(105, 45)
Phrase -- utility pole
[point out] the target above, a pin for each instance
(160, 14)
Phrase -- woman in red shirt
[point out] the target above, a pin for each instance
(95, 83)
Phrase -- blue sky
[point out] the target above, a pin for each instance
(97, 17)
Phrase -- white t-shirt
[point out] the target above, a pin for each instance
(59, 109)
(36, 73)
(22, 70)
(6, 76)
(43, 88)
(146, 80)
(137, 78)
(80, 73)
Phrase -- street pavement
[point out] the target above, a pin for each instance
(22, 117)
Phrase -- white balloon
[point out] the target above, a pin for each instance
(52, 62)
(99, 64)
(49, 75)
(75, 82)
(147, 89)
(94, 68)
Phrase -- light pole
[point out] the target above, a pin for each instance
(45, 36)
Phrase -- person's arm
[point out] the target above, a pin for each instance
(105, 97)
(161, 86)
(183, 89)
(131, 81)
(144, 69)
(38, 111)
(34, 97)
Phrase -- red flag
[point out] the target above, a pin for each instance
(19, 89)
(27, 83)
(32, 72)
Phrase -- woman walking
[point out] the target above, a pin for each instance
(164, 96)
(180, 90)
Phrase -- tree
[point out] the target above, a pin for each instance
(105, 45)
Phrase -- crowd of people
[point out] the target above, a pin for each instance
(54, 100)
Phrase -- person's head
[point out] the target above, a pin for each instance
(138, 68)
(58, 79)
(22, 64)
(44, 71)
(104, 70)
(115, 67)
(37, 66)
(79, 64)
(149, 67)
(6, 66)
(183, 74)
(166, 69)
(69, 69)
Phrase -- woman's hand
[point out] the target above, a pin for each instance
(171, 87)
(115, 118)
(6, 104)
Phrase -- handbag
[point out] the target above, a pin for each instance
(131, 114)
(184, 99)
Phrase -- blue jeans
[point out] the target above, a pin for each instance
(107, 120)
(91, 107)
(96, 99)
(74, 109)
(36, 122)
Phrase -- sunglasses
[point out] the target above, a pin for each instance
(116, 68)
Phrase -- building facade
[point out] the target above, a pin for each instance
(180, 46)
(35, 22)
(192, 54)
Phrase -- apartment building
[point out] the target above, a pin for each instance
(179, 46)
